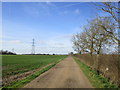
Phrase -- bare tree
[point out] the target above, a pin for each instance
(101, 36)
(83, 42)
(94, 37)
(100, 32)
(79, 45)
(112, 8)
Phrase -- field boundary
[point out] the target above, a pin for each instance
(21, 83)
(106, 64)
(22, 75)
(98, 81)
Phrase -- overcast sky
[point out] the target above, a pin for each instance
(51, 24)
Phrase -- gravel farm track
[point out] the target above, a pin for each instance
(66, 74)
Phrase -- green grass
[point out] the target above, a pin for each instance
(16, 64)
(20, 83)
(97, 81)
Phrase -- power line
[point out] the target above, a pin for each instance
(33, 47)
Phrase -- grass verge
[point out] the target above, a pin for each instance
(97, 81)
(20, 83)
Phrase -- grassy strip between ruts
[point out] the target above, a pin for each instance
(97, 81)
(20, 83)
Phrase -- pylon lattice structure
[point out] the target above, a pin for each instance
(33, 47)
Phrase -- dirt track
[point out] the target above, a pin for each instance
(65, 74)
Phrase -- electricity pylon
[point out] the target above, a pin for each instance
(33, 47)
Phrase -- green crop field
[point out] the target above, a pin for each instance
(15, 64)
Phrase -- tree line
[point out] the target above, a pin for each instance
(101, 34)
(7, 52)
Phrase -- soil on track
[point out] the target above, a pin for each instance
(66, 74)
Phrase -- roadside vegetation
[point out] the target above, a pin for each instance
(99, 38)
(98, 81)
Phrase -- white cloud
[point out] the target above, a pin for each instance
(10, 42)
(50, 4)
(36, 10)
(41, 42)
(77, 11)
(31, 10)
(70, 5)
(6, 37)
(58, 46)
(68, 36)
(59, 43)
(65, 12)
(55, 43)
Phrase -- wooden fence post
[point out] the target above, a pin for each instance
(97, 64)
